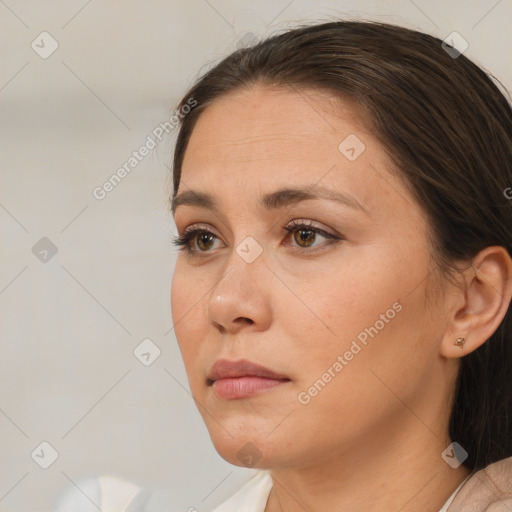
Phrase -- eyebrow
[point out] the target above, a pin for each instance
(279, 199)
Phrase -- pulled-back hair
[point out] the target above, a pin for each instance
(447, 129)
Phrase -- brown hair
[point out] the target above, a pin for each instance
(447, 128)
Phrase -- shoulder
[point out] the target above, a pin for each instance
(487, 490)
(252, 497)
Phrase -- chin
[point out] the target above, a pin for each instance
(245, 454)
(247, 447)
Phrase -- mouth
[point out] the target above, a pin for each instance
(231, 380)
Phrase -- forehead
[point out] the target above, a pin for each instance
(268, 124)
(254, 140)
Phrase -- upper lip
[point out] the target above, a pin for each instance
(224, 369)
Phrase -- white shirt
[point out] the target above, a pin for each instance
(253, 496)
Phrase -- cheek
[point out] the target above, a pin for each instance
(187, 310)
(365, 310)
(332, 306)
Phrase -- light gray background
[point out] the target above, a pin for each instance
(69, 326)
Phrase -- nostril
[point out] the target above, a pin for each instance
(243, 319)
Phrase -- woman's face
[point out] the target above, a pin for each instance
(336, 307)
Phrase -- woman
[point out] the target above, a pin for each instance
(342, 294)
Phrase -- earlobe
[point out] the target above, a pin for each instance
(486, 293)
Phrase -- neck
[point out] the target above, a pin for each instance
(405, 473)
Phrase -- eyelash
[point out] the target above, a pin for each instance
(184, 241)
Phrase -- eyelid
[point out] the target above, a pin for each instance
(292, 225)
(198, 226)
(295, 224)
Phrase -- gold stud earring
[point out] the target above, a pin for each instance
(460, 342)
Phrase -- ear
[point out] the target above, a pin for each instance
(481, 302)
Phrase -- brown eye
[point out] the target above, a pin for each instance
(204, 240)
(195, 240)
(304, 237)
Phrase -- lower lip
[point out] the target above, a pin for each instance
(244, 387)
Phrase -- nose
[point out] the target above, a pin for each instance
(240, 299)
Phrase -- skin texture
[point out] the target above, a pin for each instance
(372, 438)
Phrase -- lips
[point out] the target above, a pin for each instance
(224, 369)
(232, 380)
